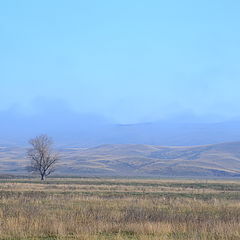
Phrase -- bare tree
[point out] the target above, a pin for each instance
(43, 158)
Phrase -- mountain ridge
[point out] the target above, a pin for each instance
(70, 128)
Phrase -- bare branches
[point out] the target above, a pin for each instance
(43, 158)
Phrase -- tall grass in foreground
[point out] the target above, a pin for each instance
(63, 215)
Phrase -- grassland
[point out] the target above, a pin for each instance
(119, 209)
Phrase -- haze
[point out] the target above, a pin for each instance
(119, 61)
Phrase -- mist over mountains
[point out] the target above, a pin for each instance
(91, 145)
(67, 127)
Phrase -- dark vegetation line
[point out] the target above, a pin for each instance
(214, 186)
(200, 196)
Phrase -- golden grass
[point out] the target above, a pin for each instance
(119, 209)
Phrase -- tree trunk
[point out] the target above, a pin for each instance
(42, 177)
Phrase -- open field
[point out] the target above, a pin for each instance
(119, 209)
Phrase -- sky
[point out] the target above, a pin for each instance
(128, 61)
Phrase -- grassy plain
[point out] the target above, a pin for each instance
(119, 209)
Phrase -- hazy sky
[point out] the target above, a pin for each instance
(128, 60)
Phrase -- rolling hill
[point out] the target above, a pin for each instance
(216, 160)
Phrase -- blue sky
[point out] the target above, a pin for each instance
(129, 61)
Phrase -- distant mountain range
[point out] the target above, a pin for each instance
(144, 149)
(215, 160)
(90, 131)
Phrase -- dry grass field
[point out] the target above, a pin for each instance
(119, 209)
